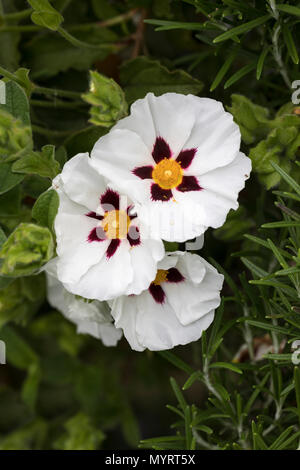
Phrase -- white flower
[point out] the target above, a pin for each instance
(101, 245)
(176, 308)
(91, 317)
(178, 158)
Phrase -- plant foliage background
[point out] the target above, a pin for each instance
(71, 69)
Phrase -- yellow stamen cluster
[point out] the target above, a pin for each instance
(161, 276)
(167, 174)
(116, 224)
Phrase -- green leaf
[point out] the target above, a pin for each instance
(226, 365)
(239, 74)
(31, 385)
(223, 70)
(281, 224)
(142, 75)
(261, 61)
(289, 41)
(164, 25)
(10, 202)
(244, 28)
(197, 375)
(41, 163)
(107, 100)
(27, 249)
(15, 137)
(80, 434)
(130, 427)
(286, 177)
(50, 54)
(176, 361)
(19, 352)
(252, 119)
(288, 9)
(8, 179)
(9, 54)
(16, 102)
(256, 270)
(178, 394)
(45, 15)
(45, 208)
(268, 326)
(297, 388)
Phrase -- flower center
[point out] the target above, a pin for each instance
(167, 174)
(161, 276)
(116, 224)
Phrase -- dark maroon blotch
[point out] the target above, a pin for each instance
(143, 172)
(112, 247)
(161, 150)
(174, 275)
(110, 200)
(189, 183)
(160, 194)
(157, 293)
(93, 215)
(185, 158)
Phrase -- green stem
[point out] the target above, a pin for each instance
(57, 104)
(49, 132)
(10, 75)
(20, 29)
(18, 15)
(118, 19)
(53, 91)
(77, 43)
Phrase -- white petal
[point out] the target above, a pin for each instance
(124, 311)
(108, 333)
(81, 182)
(116, 155)
(170, 116)
(199, 293)
(216, 136)
(174, 220)
(72, 228)
(57, 296)
(144, 258)
(158, 328)
(108, 278)
(220, 192)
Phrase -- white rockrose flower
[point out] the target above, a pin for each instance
(103, 249)
(178, 159)
(176, 308)
(91, 317)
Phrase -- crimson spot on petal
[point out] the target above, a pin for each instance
(185, 157)
(160, 194)
(93, 215)
(110, 200)
(174, 275)
(133, 236)
(143, 172)
(161, 150)
(96, 235)
(189, 183)
(112, 247)
(157, 293)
